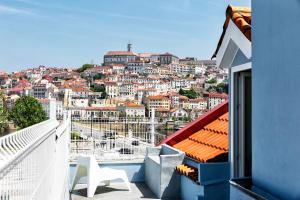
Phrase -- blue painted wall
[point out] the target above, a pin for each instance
(190, 190)
(212, 184)
(135, 171)
(237, 194)
(276, 96)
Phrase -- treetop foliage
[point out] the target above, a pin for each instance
(27, 112)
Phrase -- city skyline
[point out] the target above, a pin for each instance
(68, 35)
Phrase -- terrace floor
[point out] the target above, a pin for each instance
(115, 191)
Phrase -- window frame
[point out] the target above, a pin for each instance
(237, 157)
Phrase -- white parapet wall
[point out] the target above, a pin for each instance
(34, 162)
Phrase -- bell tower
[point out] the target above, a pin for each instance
(129, 46)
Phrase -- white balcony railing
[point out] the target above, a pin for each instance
(34, 162)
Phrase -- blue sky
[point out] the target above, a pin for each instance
(70, 33)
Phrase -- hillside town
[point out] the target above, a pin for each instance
(127, 84)
(154, 123)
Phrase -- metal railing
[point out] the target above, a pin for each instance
(113, 139)
(34, 162)
(118, 149)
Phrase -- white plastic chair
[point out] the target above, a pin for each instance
(88, 167)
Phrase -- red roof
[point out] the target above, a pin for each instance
(218, 95)
(16, 89)
(205, 139)
(197, 100)
(120, 53)
(102, 108)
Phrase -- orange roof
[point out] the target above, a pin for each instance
(218, 95)
(183, 98)
(133, 105)
(208, 144)
(197, 100)
(188, 171)
(241, 16)
(102, 108)
(157, 97)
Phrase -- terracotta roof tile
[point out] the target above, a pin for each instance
(208, 144)
(241, 16)
(188, 171)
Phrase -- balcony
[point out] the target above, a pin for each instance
(116, 191)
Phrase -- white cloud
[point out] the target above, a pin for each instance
(11, 10)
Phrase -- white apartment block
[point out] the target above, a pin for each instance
(199, 104)
(41, 91)
(137, 67)
(112, 89)
(215, 99)
(79, 102)
(133, 110)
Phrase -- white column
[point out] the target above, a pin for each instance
(152, 127)
(52, 110)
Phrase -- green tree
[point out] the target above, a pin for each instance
(222, 87)
(84, 67)
(27, 112)
(99, 88)
(98, 76)
(191, 93)
(181, 91)
(3, 114)
(212, 81)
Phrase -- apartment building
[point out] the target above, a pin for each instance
(158, 101)
(112, 89)
(215, 99)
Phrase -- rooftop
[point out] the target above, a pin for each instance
(115, 191)
(209, 143)
(241, 16)
(120, 53)
(205, 139)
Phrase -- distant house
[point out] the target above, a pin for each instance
(214, 99)
(40, 91)
(158, 101)
(79, 102)
(162, 113)
(112, 89)
(135, 67)
(179, 114)
(199, 103)
(91, 72)
(133, 110)
(95, 112)
(168, 58)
